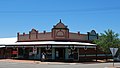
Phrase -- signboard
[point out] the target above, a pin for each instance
(14, 52)
(113, 51)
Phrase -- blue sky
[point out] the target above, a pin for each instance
(79, 15)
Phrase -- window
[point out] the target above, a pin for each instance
(60, 34)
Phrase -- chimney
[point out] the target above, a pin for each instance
(24, 34)
(18, 36)
(44, 31)
(78, 33)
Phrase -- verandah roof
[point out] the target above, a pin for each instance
(12, 41)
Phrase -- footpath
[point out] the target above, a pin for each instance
(32, 61)
(51, 63)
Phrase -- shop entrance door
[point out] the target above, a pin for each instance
(59, 53)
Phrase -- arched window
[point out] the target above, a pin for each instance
(60, 34)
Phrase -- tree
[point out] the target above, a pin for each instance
(108, 39)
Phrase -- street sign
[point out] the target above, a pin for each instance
(113, 51)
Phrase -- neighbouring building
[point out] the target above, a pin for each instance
(58, 45)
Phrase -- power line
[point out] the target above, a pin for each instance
(64, 11)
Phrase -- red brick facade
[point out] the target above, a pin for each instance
(59, 32)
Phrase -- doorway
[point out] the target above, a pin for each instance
(59, 53)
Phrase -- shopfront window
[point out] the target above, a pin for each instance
(14, 53)
(72, 53)
(48, 52)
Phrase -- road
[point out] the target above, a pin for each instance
(56, 65)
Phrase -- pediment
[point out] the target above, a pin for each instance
(60, 25)
(33, 31)
(93, 32)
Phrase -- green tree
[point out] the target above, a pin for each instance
(108, 39)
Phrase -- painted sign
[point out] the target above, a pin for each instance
(14, 52)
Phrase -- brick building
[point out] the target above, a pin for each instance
(58, 45)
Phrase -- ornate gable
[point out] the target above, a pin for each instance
(92, 35)
(33, 31)
(93, 32)
(60, 31)
(33, 34)
(60, 25)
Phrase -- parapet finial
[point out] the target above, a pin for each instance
(60, 21)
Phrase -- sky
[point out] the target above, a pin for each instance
(79, 15)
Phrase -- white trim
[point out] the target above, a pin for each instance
(2, 46)
(13, 42)
(51, 43)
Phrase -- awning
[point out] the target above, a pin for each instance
(50, 42)
(11, 42)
